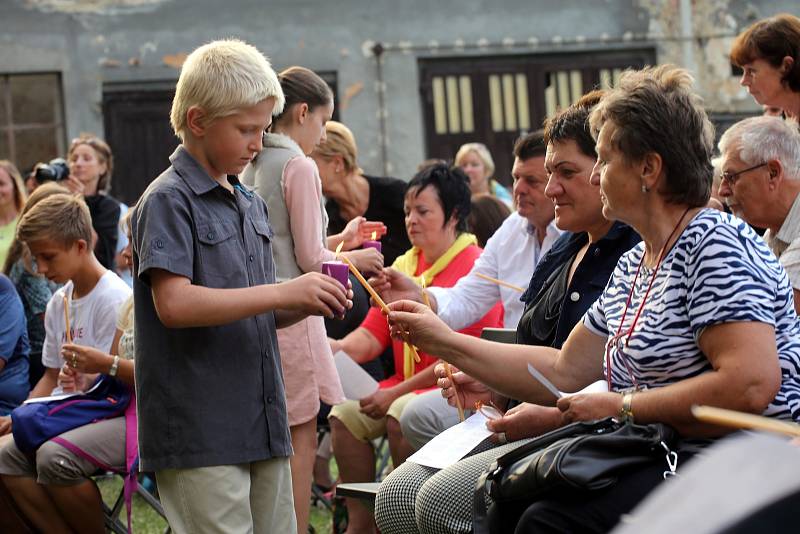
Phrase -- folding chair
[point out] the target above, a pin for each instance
(111, 514)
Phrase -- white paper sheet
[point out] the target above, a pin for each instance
(57, 394)
(601, 386)
(453, 444)
(356, 382)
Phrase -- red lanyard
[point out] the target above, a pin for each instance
(618, 336)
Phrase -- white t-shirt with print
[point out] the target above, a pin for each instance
(93, 318)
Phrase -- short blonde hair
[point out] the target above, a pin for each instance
(17, 181)
(340, 142)
(63, 218)
(481, 151)
(222, 77)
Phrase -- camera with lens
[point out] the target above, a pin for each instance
(55, 171)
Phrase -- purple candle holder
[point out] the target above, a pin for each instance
(372, 244)
(336, 269)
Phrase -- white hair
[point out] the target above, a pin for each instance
(222, 77)
(761, 139)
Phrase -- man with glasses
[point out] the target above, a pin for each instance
(761, 182)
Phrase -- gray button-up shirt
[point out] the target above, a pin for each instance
(212, 395)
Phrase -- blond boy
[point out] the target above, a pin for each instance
(58, 233)
(212, 414)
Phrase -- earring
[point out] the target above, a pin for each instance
(644, 189)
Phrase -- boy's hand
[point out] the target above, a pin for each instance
(316, 294)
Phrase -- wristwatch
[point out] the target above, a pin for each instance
(114, 367)
(626, 413)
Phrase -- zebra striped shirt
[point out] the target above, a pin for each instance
(718, 271)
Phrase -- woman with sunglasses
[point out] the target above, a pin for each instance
(699, 313)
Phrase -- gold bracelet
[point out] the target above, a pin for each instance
(626, 413)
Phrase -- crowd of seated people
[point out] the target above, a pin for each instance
(605, 256)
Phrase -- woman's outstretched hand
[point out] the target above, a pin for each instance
(359, 229)
(415, 323)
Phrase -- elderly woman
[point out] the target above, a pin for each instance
(699, 313)
(769, 54)
(437, 204)
(566, 282)
(476, 161)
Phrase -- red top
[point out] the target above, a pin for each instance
(377, 325)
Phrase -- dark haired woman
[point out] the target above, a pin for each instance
(768, 52)
(437, 204)
(289, 182)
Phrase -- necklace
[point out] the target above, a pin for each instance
(618, 336)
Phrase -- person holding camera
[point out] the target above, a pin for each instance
(87, 172)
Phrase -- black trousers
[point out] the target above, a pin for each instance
(591, 511)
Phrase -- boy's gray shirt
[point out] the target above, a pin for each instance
(207, 395)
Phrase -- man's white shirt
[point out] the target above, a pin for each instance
(511, 255)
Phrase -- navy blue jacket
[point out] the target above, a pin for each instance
(588, 281)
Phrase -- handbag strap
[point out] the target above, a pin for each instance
(480, 512)
(130, 474)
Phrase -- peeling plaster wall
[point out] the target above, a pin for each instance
(95, 41)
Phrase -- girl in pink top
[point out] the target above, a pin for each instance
(289, 182)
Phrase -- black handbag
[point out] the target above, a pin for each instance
(581, 456)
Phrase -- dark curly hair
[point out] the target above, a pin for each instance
(452, 187)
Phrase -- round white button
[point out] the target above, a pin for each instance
(574, 296)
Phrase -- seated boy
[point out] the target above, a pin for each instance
(212, 413)
(58, 232)
(61, 246)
